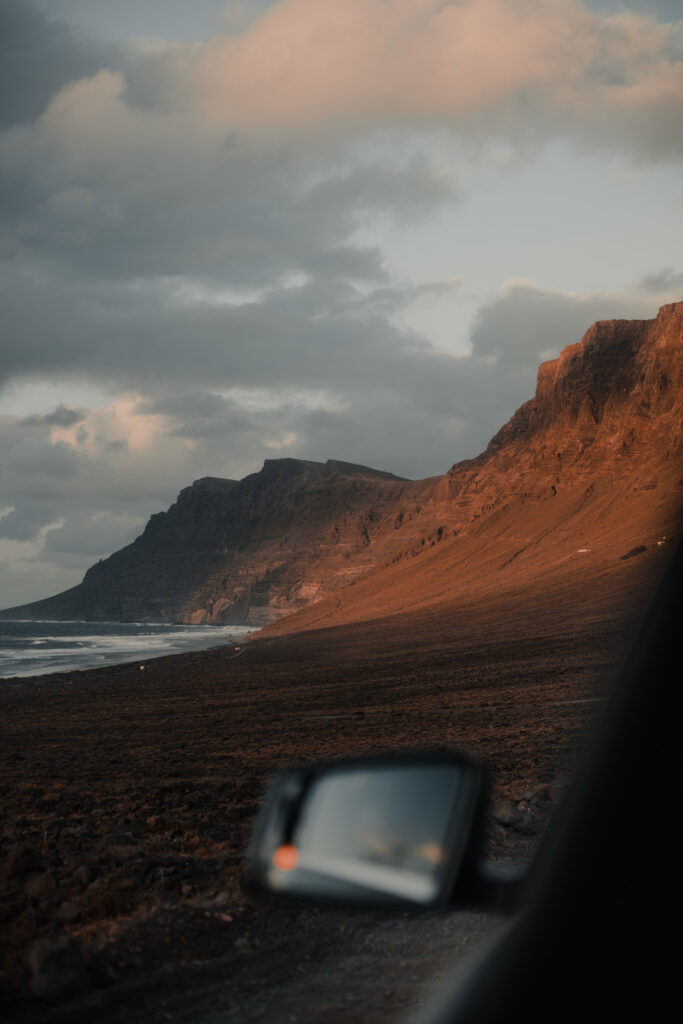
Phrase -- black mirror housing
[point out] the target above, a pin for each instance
(401, 830)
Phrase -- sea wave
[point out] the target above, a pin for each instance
(29, 648)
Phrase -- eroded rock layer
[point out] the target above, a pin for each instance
(585, 477)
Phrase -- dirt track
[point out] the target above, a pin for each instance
(134, 790)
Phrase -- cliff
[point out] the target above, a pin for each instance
(584, 483)
(612, 404)
(586, 471)
(239, 551)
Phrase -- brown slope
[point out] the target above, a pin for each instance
(586, 473)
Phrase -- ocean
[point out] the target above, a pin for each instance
(36, 648)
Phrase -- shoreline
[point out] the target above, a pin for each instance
(87, 649)
(129, 794)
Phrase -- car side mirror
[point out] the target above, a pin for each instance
(389, 831)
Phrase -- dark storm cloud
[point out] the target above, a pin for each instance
(318, 337)
(663, 10)
(163, 80)
(323, 333)
(204, 415)
(81, 534)
(62, 416)
(35, 475)
(117, 192)
(407, 192)
(321, 336)
(94, 480)
(189, 405)
(528, 323)
(38, 55)
(23, 523)
(46, 466)
(662, 280)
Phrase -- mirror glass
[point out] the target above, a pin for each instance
(384, 829)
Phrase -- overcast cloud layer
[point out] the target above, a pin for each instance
(220, 249)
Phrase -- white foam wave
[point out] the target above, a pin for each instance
(26, 655)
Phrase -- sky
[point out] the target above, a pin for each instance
(346, 229)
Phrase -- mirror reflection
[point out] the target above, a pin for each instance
(384, 828)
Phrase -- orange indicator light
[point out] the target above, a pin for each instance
(285, 857)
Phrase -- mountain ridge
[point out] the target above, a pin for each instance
(583, 474)
(601, 435)
(211, 529)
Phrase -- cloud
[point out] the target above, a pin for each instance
(62, 416)
(664, 280)
(529, 323)
(511, 66)
(234, 158)
(51, 557)
(25, 523)
(114, 190)
(119, 427)
(90, 535)
(161, 76)
(32, 40)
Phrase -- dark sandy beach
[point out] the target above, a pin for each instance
(128, 792)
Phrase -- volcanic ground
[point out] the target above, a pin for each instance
(128, 792)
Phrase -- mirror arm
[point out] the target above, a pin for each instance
(291, 803)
